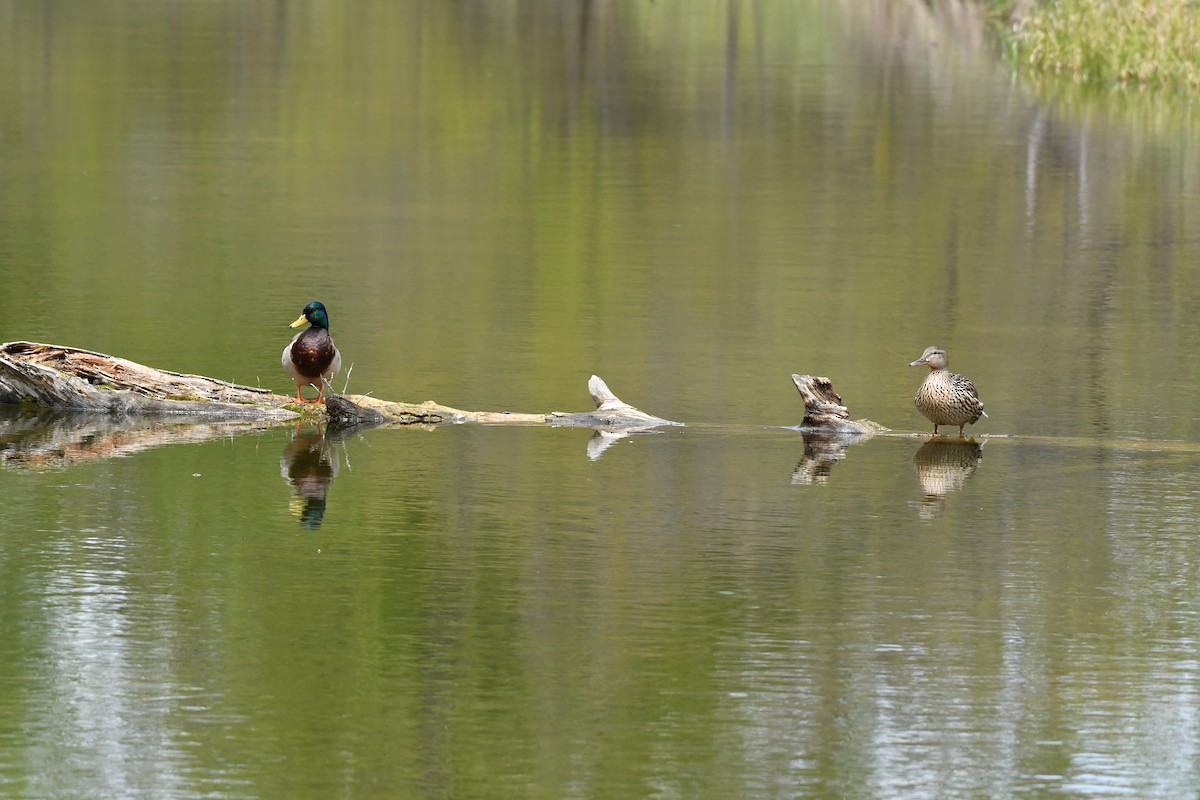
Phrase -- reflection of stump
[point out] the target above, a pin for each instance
(827, 428)
(944, 467)
(823, 409)
(821, 452)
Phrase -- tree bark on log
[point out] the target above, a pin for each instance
(73, 379)
(611, 413)
(824, 412)
(70, 378)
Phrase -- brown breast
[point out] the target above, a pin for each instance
(313, 352)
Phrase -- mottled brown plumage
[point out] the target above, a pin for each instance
(311, 358)
(944, 397)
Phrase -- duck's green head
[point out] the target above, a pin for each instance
(314, 314)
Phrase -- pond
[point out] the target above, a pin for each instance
(693, 201)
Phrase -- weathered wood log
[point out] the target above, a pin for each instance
(347, 410)
(70, 378)
(611, 413)
(99, 406)
(824, 412)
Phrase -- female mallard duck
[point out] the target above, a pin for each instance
(311, 358)
(944, 397)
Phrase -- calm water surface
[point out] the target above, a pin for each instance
(692, 200)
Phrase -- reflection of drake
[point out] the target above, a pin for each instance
(309, 464)
(944, 467)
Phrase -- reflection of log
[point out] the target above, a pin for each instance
(50, 441)
(67, 378)
(823, 410)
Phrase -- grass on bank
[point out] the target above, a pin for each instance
(1154, 43)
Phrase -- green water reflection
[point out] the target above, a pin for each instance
(495, 201)
(488, 611)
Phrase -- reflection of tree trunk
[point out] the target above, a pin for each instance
(760, 60)
(1033, 145)
(577, 58)
(585, 25)
(728, 101)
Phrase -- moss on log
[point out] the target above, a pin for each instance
(72, 379)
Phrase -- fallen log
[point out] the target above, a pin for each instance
(611, 413)
(73, 379)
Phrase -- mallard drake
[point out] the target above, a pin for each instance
(944, 397)
(311, 357)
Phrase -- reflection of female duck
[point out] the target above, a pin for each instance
(944, 397)
(310, 467)
(943, 467)
(311, 358)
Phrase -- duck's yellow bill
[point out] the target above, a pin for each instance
(298, 322)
